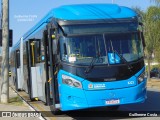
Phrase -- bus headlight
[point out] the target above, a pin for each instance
(141, 78)
(71, 81)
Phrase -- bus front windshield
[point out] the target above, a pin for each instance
(82, 49)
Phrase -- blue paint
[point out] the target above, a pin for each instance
(92, 11)
(93, 94)
(72, 98)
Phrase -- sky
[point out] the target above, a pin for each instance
(24, 14)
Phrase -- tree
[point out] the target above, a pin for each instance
(151, 23)
(151, 32)
(157, 51)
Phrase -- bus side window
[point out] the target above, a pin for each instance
(37, 51)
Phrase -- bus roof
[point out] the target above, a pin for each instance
(83, 12)
(92, 12)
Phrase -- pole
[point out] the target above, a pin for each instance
(5, 52)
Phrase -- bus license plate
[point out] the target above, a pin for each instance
(116, 101)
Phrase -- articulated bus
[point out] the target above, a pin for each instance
(82, 56)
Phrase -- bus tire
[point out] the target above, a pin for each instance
(113, 108)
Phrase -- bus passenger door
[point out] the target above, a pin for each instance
(32, 73)
(52, 47)
(28, 68)
(47, 68)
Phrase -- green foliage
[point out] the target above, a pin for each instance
(156, 26)
(17, 101)
(151, 24)
(151, 29)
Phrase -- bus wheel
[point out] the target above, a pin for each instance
(113, 108)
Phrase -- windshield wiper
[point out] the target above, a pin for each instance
(90, 67)
(124, 60)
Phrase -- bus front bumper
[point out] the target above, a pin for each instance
(73, 98)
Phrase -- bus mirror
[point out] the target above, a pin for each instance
(141, 37)
(143, 40)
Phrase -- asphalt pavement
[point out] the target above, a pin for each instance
(19, 109)
(149, 107)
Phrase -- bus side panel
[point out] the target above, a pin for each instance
(34, 83)
(19, 82)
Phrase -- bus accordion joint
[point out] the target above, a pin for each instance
(49, 79)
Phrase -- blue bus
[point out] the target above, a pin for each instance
(82, 56)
